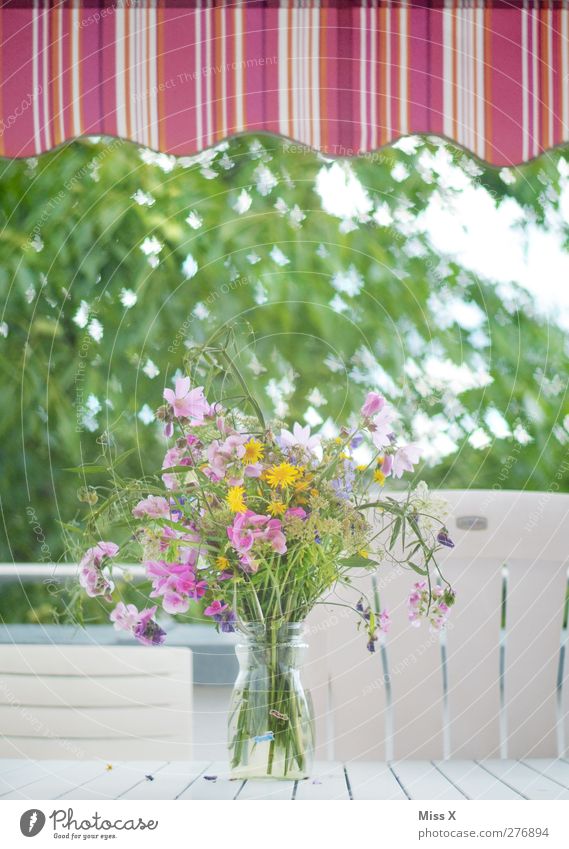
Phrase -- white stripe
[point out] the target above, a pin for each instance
(471, 73)
(45, 74)
(363, 92)
(535, 85)
(459, 82)
(373, 76)
(144, 94)
(76, 95)
(302, 80)
(60, 73)
(120, 74)
(35, 81)
(315, 51)
(294, 66)
(525, 89)
(238, 76)
(447, 73)
(403, 93)
(208, 86)
(283, 73)
(564, 72)
(479, 16)
(199, 106)
(153, 77)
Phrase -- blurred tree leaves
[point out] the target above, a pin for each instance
(99, 243)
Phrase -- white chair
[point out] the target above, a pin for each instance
(495, 684)
(111, 702)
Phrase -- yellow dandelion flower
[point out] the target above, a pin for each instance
(379, 477)
(283, 475)
(301, 486)
(235, 499)
(276, 508)
(363, 553)
(338, 440)
(254, 451)
(380, 461)
(222, 562)
(314, 493)
(362, 467)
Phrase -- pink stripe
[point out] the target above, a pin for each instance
(346, 118)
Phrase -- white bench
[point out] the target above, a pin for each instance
(493, 684)
(82, 702)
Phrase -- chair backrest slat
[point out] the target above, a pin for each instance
(110, 702)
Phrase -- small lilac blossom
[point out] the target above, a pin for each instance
(373, 404)
(381, 427)
(405, 459)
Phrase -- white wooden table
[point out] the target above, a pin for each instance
(492, 779)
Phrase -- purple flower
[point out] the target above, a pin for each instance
(226, 620)
(444, 539)
(148, 631)
(373, 404)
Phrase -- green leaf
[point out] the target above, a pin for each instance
(357, 561)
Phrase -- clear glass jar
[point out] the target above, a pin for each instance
(271, 727)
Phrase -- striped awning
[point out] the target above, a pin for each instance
(343, 78)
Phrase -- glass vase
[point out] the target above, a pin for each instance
(271, 727)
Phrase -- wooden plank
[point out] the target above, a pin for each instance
(475, 782)
(169, 782)
(553, 768)
(113, 783)
(328, 782)
(222, 787)
(104, 722)
(266, 789)
(105, 662)
(28, 772)
(67, 693)
(45, 748)
(63, 779)
(526, 781)
(9, 764)
(421, 780)
(371, 780)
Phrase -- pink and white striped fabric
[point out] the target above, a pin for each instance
(343, 78)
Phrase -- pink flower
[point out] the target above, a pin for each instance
(94, 556)
(299, 512)
(373, 404)
(154, 506)
(125, 617)
(174, 603)
(187, 403)
(275, 536)
(215, 608)
(300, 437)
(381, 428)
(95, 579)
(405, 458)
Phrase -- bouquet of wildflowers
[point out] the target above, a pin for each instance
(259, 522)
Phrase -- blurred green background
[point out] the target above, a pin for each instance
(113, 259)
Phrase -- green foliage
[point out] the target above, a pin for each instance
(70, 257)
